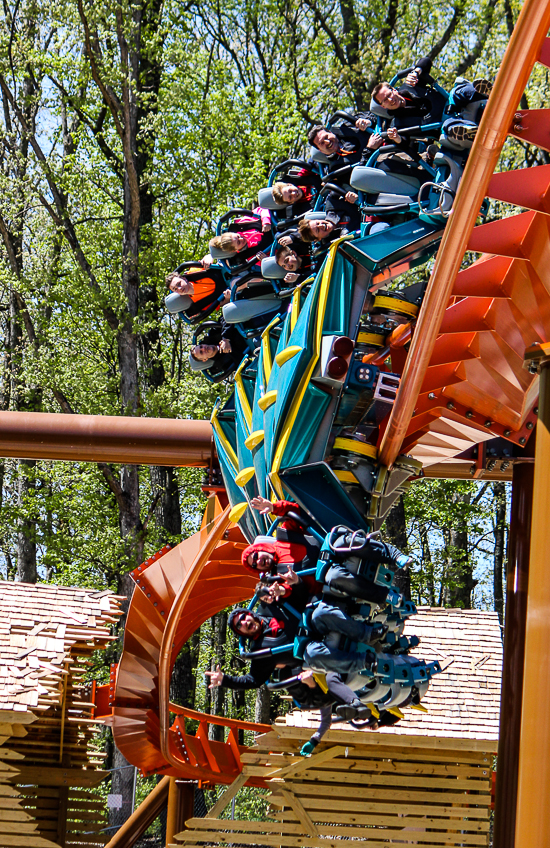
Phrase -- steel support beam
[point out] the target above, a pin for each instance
(105, 438)
(533, 798)
(514, 652)
(134, 827)
(181, 805)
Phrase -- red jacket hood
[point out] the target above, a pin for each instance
(267, 547)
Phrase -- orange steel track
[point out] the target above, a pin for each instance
(463, 379)
(463, 382)
(154, 634)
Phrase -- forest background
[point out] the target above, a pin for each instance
(126, 129)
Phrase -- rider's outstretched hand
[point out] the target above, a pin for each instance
(261, 504)
(216, 677)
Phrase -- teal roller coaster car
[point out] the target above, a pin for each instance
(304, 419)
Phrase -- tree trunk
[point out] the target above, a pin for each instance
(460, 578)
(219, 635)
(26, 530)
(499, 532)
(396, 532)
(167, 509)
(262, 710)
(183, 683)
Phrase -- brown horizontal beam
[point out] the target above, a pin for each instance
(105, 438)
(461, 471)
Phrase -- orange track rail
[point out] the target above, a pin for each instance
(203, 574)
(463, 380)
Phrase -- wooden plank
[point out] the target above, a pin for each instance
(17, 826)
(286, 755)
(291, 748)
(227, 796)
(277, 841)
(246, 835)
(26, 841)
(373, 807)
(8, 790)
(358, 737)
(390, 780)
(326, 790)
(43, 776)
(299, 811)
(15, 815)
(306, 763)
(392, 765)
(16, 730)
(397, 819)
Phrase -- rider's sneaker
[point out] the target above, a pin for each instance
(483, 86)
(378, 631)
(461, 133)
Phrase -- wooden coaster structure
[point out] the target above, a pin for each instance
(462, 382)
(371, 788)
(48, 758)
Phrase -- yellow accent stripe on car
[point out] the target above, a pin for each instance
(299, 396)
(370, 338)
(266, 348)
(238, 511)
(243, 398)
(244, 476)
(224, 440)
(286, 354)
(254, 439)
(267, 400)
(346, 477)
(296, 301)
(394, 305)
(355, 446)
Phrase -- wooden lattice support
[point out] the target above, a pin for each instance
(431, 791)
(49, 763)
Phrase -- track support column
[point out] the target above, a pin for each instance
(533, 799)
(514, 653)
(181, 802)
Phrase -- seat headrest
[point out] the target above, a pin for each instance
(266, 200)
(218, 253)
(195, 365)
(317, 156)
(377, 109)
(270, 269)
(315, 216)
(177, 302)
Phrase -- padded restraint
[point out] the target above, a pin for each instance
(271, 270)
(315, 216)
(374, 180)
(218, 253)
(317, 156)
(195, 365)
(177, 302)
(267, 201)
(377, 110)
